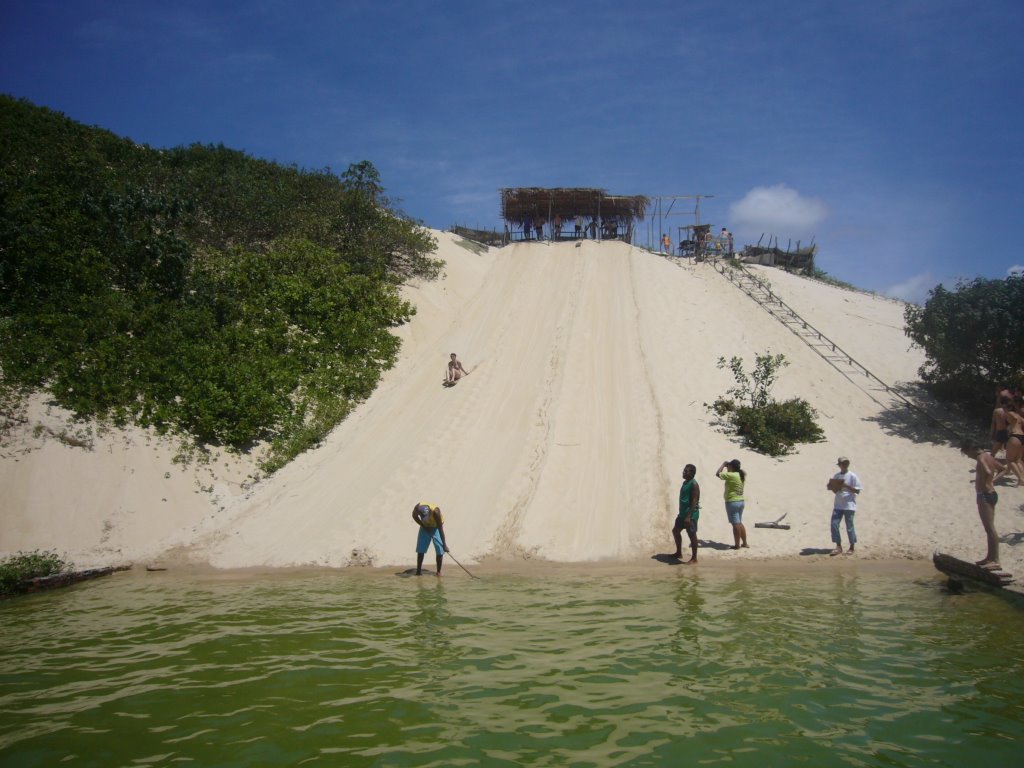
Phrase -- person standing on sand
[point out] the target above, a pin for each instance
(846, 485)
(999, 429)
(1014, 456)
(455, 371)
(428, 518)
(735, 478)
(985, 470)
(689, 512)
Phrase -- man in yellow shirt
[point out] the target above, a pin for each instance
(428, 518)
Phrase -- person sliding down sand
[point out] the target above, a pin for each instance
(455, 371)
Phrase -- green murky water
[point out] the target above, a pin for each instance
(690, 667)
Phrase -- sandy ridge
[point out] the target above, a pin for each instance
(589, 370)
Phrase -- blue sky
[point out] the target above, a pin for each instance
(890, 132)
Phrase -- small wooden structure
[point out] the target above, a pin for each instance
(490, 237)
(570, 213)
(697, 243)
(791, 259)
(954, 567)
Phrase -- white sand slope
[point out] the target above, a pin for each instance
(589, 370)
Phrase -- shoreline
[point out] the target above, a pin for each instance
(808, 565)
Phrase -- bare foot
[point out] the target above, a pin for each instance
(991, 565)
(836, 551)
(677, 555)
(745, 545)
(736, 546)
(691, 560)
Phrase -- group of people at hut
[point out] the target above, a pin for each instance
(582, 227)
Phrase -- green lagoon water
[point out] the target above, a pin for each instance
(700, 667)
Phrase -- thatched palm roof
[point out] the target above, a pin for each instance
(520, 203)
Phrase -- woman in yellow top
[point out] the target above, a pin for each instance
(734, 478)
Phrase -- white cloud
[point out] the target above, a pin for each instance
(914, 289)
(1016, 269)
(777, 210)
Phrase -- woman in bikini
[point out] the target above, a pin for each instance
(1000, 429)
(1015, 442)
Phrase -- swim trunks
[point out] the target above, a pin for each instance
(426, 537)
(690, 526)
(991, 498)
(1002, 435)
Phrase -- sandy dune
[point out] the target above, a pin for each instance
(589, 370)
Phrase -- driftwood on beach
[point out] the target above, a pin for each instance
(41, 583)
(952, 566)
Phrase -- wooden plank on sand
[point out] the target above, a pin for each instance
(953, 566)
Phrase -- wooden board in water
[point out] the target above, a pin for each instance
(952, 566)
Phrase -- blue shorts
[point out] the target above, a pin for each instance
(734, 511)
(689, 527)
(426, 536)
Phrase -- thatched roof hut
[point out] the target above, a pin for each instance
(528, 205)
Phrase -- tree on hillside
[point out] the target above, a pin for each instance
(196, 290)
(973, 337)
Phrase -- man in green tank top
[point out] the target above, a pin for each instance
(689, 512)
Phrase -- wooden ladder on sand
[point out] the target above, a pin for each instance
(761, 292)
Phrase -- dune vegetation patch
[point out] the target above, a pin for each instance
(764, 424)
(195, 290)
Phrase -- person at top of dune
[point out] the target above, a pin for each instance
(455, 371)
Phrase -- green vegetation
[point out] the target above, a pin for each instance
(973, 339)
(195, 290)
(824, 277)
(16, 569)
(766, 425)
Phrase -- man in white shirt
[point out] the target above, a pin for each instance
(845, 485)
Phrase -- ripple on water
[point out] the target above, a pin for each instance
(332, 668)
